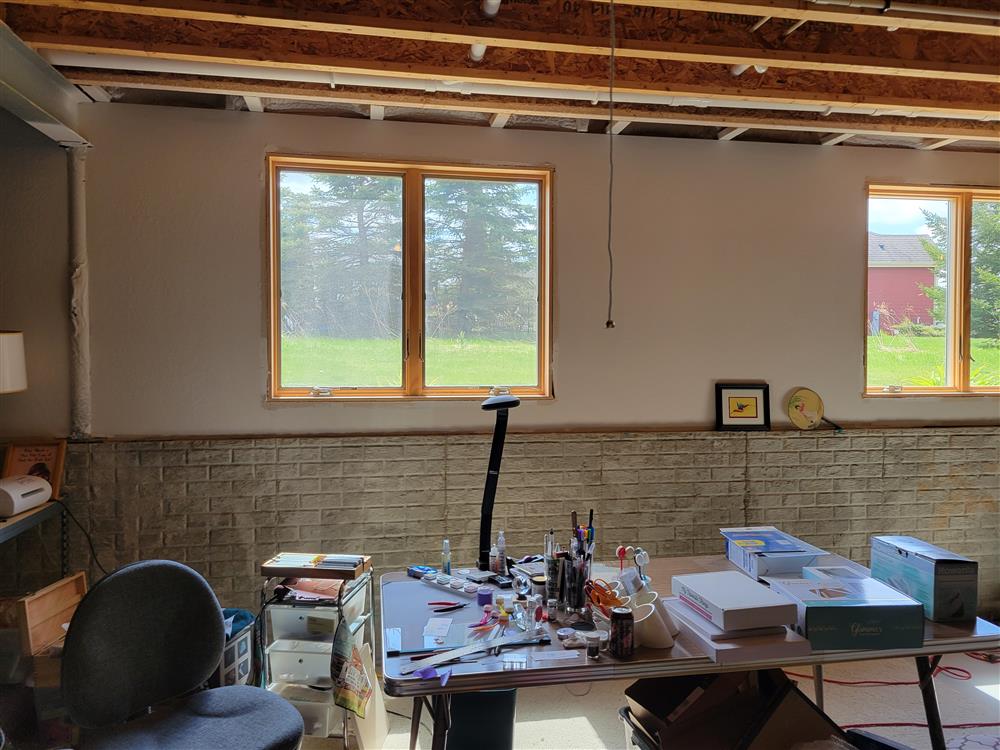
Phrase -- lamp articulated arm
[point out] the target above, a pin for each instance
(501, 405)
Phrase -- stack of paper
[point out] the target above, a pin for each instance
(748, 647)
(735, 618)
(731, 601)
(767, 551)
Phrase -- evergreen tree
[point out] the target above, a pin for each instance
(481, 245)
(341, 257)
(985, 281)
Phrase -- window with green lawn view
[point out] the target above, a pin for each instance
(407, 280)
(933, 300)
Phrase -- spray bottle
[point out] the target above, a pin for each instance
(446, 557)
(501, 554)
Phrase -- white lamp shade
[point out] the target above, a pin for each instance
(13, 375)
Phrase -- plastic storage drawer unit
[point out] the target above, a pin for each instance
(310, 623)
(305, 661)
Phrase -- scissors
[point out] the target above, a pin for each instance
(601, 594)
(447, 606)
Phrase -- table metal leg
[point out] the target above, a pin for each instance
(818, 685)
(63, 545)
(925, 671)
(442, 721)
(418, 706)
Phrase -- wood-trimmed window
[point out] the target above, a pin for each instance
(407, 280)
(932, 320)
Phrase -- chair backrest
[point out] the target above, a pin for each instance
(148, 632)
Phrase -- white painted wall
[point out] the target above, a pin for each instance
(734, 261)
(34, 288)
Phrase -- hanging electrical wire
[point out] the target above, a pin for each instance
(610, 323)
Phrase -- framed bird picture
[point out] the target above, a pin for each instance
(742, 406)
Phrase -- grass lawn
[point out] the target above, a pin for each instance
(919, 360)
(309, 361)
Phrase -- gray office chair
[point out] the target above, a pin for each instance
(141, 644)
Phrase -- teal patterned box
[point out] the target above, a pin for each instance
(853, 613)
(944, 582)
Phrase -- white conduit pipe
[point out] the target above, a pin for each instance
(887, 6)
(489, 8)
(79, 311)
(428, 85)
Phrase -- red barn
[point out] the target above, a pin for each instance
(899, 266)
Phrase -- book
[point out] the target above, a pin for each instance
(714, 632)
(731, 601)
(782, 644)
(762, 551)
(853, 613)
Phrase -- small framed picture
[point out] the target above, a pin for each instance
(742, 406)
(39, 458)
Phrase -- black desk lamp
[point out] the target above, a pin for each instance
(501, 405)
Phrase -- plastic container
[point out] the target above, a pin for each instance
(316, 706)
(306, 661)
(305, 623)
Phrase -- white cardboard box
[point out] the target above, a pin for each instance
(732, 601)
(784, 644)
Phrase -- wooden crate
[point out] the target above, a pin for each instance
(39, 619)
(41, 616)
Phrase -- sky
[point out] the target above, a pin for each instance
(902, 215)
(298, 182)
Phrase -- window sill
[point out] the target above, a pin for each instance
(398, 398)
(930, 394)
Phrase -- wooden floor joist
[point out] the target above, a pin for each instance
(254, 103)
(499, 119)
(690, 82)
(833, 140)
(728, 134)
(841, 54)
(934, 130)
(810, 11)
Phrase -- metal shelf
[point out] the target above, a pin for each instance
(11, 527)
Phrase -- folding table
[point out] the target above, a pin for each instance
(404, 607)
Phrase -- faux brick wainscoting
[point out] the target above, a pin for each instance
(223, 505)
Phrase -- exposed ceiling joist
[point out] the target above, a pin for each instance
(97, 93)
(728, 134)
(496, 106)
(254, 103)
(835, 55)
(833, 140)
(376, 112)
(835, 13)
(937, 144)
(708, 82)
(499, 119)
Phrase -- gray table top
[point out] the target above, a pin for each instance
(404, 606)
